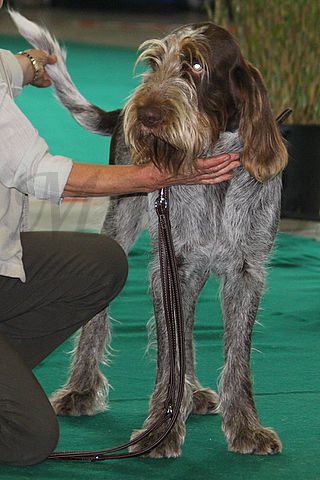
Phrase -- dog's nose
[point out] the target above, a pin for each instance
(149, 116)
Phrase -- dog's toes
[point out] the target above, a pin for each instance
(74, 404)
(262, 441)
(205, 401)
(170, 447)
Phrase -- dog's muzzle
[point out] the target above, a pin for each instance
(150, 116)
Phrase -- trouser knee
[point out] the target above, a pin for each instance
(111, 264)
(29, 444)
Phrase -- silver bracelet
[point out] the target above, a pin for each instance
(34, 63)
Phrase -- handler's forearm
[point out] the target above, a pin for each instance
(88, 180)
(103, 180)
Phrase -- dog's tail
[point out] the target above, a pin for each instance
(89, 116)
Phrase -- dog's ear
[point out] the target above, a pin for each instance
(264, 152)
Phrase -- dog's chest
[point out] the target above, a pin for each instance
(222, 224)
(195, 215)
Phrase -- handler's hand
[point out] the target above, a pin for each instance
(42, 59)
(209, 171)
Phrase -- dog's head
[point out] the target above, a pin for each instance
(197, 86)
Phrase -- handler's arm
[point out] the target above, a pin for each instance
(102, 180)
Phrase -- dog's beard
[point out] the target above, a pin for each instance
(163, 154)
(170, 148)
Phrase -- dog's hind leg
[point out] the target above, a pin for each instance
(242, 289)
(85, 392)
(193, 274)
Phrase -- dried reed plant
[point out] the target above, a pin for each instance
(281, 37)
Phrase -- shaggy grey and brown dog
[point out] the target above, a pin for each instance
(198, 97)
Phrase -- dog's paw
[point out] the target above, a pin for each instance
(74, 404)
(262, 441)
(170, 447)
(205, 401)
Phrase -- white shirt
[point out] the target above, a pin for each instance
(26, 168)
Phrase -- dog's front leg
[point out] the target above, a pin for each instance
(241, 296)
(171, 445)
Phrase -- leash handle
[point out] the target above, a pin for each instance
(175, 333)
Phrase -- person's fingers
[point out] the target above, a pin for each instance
(211, 162)
(44, 83)
(216, 161)
(51, 59)
(43, 79)
(225, 168)
(215, 172)
(219, 179)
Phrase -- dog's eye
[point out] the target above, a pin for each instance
(197, 66)
(152, 64)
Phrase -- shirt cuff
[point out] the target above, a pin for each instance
(51, 177)
(14, 71)
(42, 174)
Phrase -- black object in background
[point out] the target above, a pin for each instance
(301, 178)
(122, 4)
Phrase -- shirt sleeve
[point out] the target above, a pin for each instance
(25, 163)
(11, 71)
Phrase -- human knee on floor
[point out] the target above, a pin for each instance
(28, 442)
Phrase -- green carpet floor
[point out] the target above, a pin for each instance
(285, 360)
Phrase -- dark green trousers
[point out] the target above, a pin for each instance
(70, 278)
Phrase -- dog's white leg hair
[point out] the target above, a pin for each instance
(89, 116)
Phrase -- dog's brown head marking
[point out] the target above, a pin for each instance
(198, 85)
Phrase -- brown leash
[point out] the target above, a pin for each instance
(176, 346)
(175, 334)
